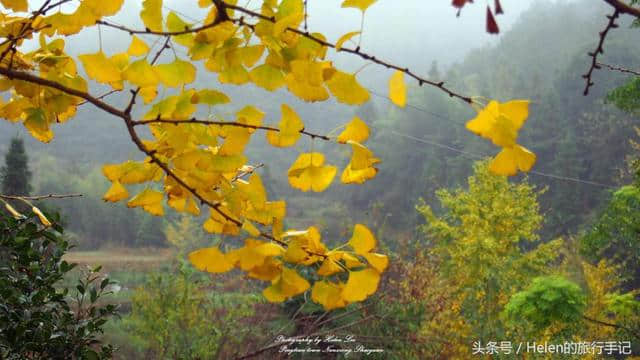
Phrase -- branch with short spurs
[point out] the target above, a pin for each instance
(224, 123)
(39, 197)
(599, 50)
(368, 57)
(620, 69)
(624, 8)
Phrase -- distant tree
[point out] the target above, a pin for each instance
(15, 173)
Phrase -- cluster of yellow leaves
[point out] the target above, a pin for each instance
(500, 123)
(273, 261)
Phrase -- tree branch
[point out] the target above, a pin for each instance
(39, 197)
(223, 123)
(620, 69)
(600, 322)
(624, 8)
(599, 50)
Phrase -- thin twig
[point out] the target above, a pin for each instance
(40, 197)
(223, 123)
(620, 69)
(624, 8)
(600, 322)
(599, 50)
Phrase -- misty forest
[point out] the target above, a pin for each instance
(320, 179)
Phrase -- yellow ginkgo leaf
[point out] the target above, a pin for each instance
(500, 123)
(149, 200)
(290, 126)
(377, 261)
(211, 97)
(358, 4)
(398, 89)
(16, 215)
(267, 77)
(346, 89)
(151, 14)
(362, 240)
(137, 47)
(289, 284)
(15, 5)
(43, 219)
(350, 176)
(176, 74)
(148, 93)
(211, 260)
(362, 157)
(344, 38)
(309, 172)
(116, 192)
(99, 68)
(38, 124)
(330, 265)
(512, 159)
(328, 294)
(361, 284)
(140, 73)
(356, 130)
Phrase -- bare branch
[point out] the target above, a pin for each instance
(620, 69)
(39, 197)
(624, 8)
(599, 50)
(224, 123)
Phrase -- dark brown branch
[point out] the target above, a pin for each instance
(101, 96)
(620, 69)
(134, 93)
(224, 123)
(624, 8)
(21, 75)
(40, 197)
(599, 50)
(600, 322)
(222, 16)
(440, 85)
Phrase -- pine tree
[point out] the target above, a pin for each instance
(15, 174)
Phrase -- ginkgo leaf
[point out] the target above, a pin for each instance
(330, 266)
(148, 93)
(361, 284)
(512, 159)
(346, 89)
(328, 294)
(137, 47)
(176, 24)
(99, 68)
(116, 192)
(41, 216)
(176, 74)
(290, 126)
(308, 172)
(356, 130)
(151, 14)
(362, 157)
(140, 73)
(377, 261)
(38, 125)
(500, 123)
(211, 260)
(344, 38)
(267, 77)
(362, 240)
(289, 284)
(358, 4)
(150, 200)
(211, 97)
(351, 176)
(16, 5)
(398, 89)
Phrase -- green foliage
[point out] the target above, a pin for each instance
(547, 300)
(486, 245)
(37, 319)
(15, 176)
(175, 315)
(627, 96)
(616, 235)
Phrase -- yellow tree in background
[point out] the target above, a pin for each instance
(199, 165)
